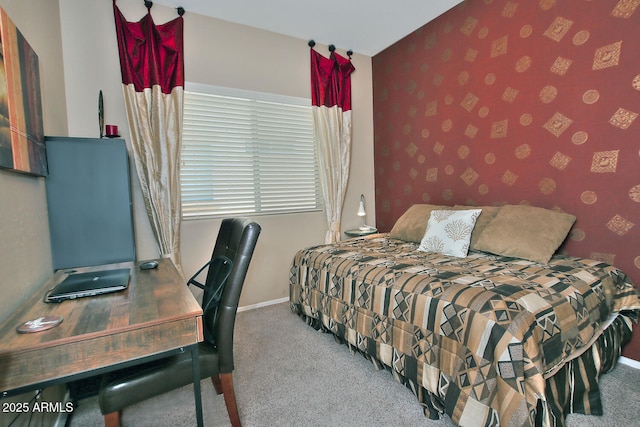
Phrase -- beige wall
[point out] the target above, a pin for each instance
(223, 54)
(25, 255)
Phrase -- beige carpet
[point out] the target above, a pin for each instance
(288, 374)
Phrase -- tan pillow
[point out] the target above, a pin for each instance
(488, 213)
(525, 232)
(412, 225)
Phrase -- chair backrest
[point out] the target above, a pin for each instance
(236, 240)
(219, 269)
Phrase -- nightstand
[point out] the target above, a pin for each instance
(356, 232)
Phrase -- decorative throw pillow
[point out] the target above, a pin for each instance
(449, 232)
(411, 225)
(526, 232)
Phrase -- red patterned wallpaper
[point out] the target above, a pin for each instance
(530, 101)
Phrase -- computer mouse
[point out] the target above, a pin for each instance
(148, 265)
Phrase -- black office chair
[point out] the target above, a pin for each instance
(228, 267)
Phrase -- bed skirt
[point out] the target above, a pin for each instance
(572, 389)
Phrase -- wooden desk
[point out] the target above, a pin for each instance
(155, 315)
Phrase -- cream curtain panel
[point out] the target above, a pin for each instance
(157, 117)
(333, 142)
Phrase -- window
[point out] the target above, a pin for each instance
(247, 153)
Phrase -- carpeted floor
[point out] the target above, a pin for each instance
(288, 374)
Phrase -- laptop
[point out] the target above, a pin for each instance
(81, 285)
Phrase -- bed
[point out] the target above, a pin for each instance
(492, 327)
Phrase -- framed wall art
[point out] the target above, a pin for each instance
(22, 145)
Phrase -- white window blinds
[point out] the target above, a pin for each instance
(246, 153)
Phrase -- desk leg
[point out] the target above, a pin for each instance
(195, 367)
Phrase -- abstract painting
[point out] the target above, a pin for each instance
(21, 126)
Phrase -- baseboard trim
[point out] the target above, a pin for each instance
(262, 304)
(629, 362)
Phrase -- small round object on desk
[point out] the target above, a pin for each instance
(148, 265)
(40, 324)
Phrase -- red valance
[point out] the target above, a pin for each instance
(331, 80)
(150, 54)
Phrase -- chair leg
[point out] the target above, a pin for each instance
(112, 419)
(217, 385)
(230, 399)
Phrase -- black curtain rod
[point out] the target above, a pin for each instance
(332, 48)
(148, 4)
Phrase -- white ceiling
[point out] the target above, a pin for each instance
(364, 26)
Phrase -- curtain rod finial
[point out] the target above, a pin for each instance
(311, 43)
(180, 10)
(349, 53)
(331, 48)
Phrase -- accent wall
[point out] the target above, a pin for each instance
(519, 102)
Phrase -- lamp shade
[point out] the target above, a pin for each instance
(361, 211)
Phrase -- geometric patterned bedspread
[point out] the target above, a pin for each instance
(478, 336)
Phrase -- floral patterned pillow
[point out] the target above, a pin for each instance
(449, 232)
